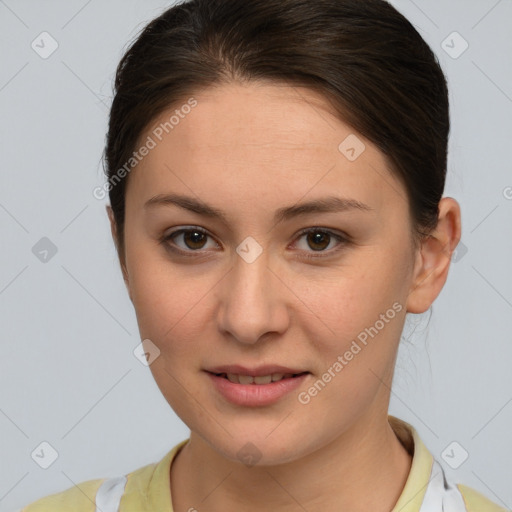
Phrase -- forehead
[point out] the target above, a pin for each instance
(260, 138)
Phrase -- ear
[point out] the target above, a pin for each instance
(434, 257)
(113, 230)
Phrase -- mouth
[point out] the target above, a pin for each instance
(266, 386)
(236, 378)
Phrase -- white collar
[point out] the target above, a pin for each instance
(441, 496)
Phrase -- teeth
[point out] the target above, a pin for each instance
(263, 379)
(245, 379)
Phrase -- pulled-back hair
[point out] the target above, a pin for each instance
(362, 56)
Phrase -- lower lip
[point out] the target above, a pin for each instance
(253, 395)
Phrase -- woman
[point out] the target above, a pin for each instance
(275, 173)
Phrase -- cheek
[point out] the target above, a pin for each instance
(359, 317)
(168, 310)
(367, 317)
(345, 303)
(173, 304)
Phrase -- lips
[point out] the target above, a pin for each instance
(254, 394)
(260, 371)
(262, 379)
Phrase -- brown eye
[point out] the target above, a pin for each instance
(190, 240)
(318, 240)
(194, 239)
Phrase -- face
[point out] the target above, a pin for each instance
(238, 274)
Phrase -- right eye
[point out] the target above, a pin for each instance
(193, 238)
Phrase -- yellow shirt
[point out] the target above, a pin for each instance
(147, 489)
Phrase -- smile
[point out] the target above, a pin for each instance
(257, 391)
(263, 379)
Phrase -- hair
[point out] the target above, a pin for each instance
(362, 56)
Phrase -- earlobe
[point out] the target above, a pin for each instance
(434, 258)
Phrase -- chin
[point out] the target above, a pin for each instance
(257, 446)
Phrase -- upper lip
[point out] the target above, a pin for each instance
(254, 372)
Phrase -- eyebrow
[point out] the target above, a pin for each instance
(323, 205)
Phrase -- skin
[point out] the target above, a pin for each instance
(248, 150)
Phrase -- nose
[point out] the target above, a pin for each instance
(253, 301)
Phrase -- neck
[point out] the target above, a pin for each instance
(335, 477)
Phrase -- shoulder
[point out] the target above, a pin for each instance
(477, 502)
(428, 474)
(134, 488)
(87, 495)
(79, 498)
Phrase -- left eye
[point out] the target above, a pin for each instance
(195, 240)
(319, 239)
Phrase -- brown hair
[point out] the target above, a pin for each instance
(362, 56)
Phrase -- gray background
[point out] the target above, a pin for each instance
(68, 375)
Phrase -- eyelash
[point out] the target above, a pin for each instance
(342, 241)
